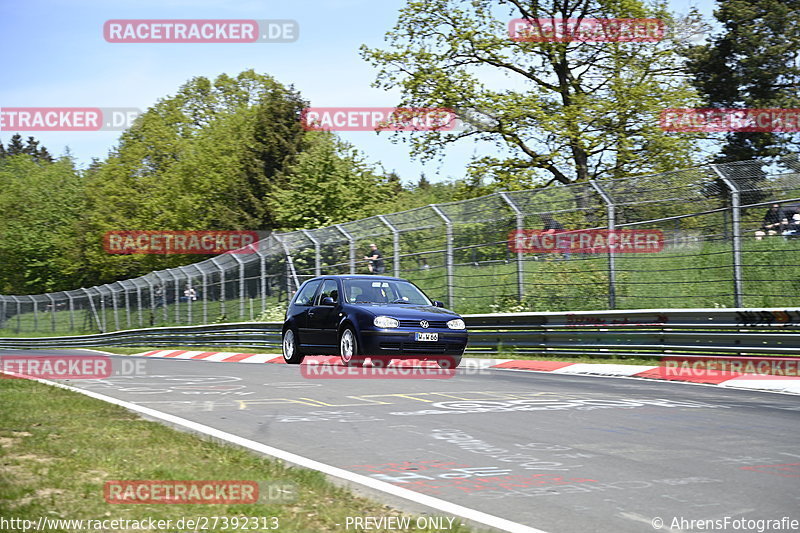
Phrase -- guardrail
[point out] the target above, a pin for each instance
(648, 332)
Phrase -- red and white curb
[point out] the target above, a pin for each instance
(787, 384)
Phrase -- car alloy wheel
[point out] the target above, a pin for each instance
(290, 353)
(348, 348)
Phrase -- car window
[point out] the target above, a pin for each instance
(373, 291)
(329, 289)
(306, 294)
(408, 293)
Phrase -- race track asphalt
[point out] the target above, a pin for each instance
(559, 453)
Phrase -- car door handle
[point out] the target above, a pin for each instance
(310, 313)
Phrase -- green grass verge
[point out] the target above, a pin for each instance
(58, 447)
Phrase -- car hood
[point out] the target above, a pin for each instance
(406, 311)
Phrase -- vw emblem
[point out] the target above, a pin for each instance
(424, 323)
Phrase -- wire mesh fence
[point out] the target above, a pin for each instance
(714, 252)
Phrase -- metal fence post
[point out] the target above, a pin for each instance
(3, 315)
(317, 255)
(222, 309)
(93, 310)
(352, 247)
(190, 286)
(204, 294)
(127, 304)
(35, 313)
(103, 316)
(448, 229)
(520, 221)
(262, 272)
(52, 311)
(71, 311)
(161, 288)
(176, 281)
(291, 273)
(138, 302)
(152, 299)
(19, 312)
(242, 291)
(736, 222)
(113, 294)
(612, 256)
(395, 245)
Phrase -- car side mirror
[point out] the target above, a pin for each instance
(437, 303)
(327, 301)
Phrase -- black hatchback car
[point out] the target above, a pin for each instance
(376, 317)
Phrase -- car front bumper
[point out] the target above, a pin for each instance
(401, 343)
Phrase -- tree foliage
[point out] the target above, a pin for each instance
(561, 111)
(42, 206)
(754, 62)
(329, 183)
(31, 148)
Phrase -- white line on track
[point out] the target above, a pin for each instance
(422, 499)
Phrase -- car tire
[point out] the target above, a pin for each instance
(291, 354)
(449, 362)
(348, 348)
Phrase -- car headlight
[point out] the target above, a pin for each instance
(385, 322)
(456, 323)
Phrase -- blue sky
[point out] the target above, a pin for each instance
(54, 55)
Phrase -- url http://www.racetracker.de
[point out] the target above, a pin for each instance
(195, 523)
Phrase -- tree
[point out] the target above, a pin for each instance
(330, 183)
(31, 148)
(753, 63)
(15, 147)
(204, 159)
(559, 111)
(42, 207)
(423, 183)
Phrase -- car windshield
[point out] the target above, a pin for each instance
(383, 291)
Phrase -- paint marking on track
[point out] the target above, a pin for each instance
(440, 505)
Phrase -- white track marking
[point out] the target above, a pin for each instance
(422, 499)
(603, 369)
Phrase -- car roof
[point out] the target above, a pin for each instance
(358, 276)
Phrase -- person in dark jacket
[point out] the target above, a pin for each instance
(775, 220)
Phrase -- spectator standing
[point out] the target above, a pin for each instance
(375, 259)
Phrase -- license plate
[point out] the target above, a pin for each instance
(431, 337)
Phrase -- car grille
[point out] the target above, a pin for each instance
(441, 324)
(391, 345)
(432, 348)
